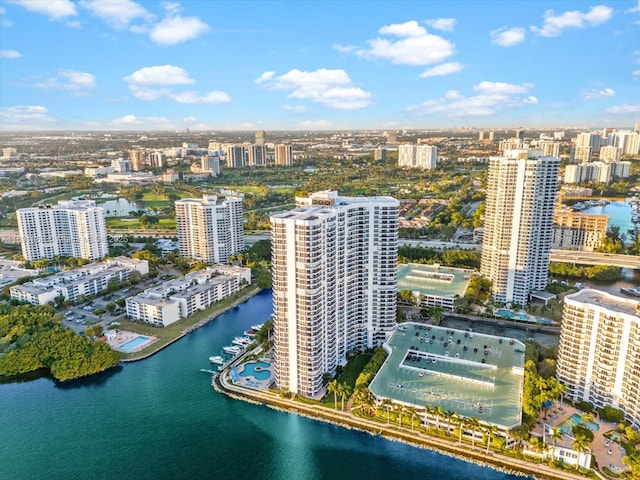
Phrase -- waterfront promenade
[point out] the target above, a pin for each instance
(346, 419)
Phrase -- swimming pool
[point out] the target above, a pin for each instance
(259, 370)
(502, 312)
(134, 343)
(576, 420)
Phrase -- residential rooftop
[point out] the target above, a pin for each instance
(434, 280)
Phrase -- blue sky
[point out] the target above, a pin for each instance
(207, 65)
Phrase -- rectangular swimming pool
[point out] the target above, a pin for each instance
(134, 343)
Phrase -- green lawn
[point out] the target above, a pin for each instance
(134, 224)
(348, 376)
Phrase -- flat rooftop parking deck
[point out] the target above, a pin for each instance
(434, 280)
(472, 374)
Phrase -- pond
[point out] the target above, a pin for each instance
(120, 207)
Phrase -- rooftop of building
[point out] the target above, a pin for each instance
(606, 300)
(434, 280)
(444, 367)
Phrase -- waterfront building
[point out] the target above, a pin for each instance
(283, 155)
(521, 193)
(80, 282)
(578, 231)
(210, 229)
(182, 297)
(417, 156)
(73, 228)
(334, 284)
(599, 353)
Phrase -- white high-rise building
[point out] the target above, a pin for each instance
(236, 156)
(550, 149)
(599, 354)
(69, 229)
(591, 139)
(211, 229)
(211, 164)
(581, 154)
(334, 284)
(610, 154)
(283, 155)
(417, 156)
(257, 155)
(521, 193)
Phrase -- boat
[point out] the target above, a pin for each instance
(634, 292)
(232, 349)
(250, 333)
(217, 359)
(257, 327)
(241, 341)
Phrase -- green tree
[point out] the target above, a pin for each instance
(334, 387)
(387, 404)
(580, 444)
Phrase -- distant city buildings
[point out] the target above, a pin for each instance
(69, 229)
(599, 353)
(602, 172)
(417, 156)
(182, 297)
(283, 155)
(380, 154)
(581, 154)
(210, 164)
(210, 229)
(334, 284)
(260, 137)
(79, 283)
(610, 154)
(257, 155)
(521, 193)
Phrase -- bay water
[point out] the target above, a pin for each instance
(159, 418)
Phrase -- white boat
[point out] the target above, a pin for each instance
(232, 349)
(257, 327)
(217, 359)
(241, 341)
(250, 333)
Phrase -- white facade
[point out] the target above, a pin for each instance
(334, 284)
(236, 156)
(87, 280)
(581, 153)
(211, 164)
(69, 229)
(610, 154)
(591, 139)
(599, 354)
(603, 172)
(211, 229)
(417, 156)
(257, 155)
(521, 193)
(184, 296)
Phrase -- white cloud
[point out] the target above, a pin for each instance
(190, 119)
(71, 80)
(134, 122)
(177, 29)
(344, 48)
(3, 21)
(264, 77)
(116, 13)
(415, 45)
(635, 9)
(159, 75)
(635, 73)
(507, 37)
(20, 117)
(295, 108)
(492, 97)
(331, 88)
(625, 108)
(502, 88)
(445, 24)
(10, 54)
(555, 24)
(211, 97)
(55, 10)
(595, 93)
(442, 69)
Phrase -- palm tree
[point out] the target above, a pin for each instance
(438, 411)
(399, 411)
(412, 411)
(555, 434)
(448, 416)
(474, 424)
(428, 410)
(387, 404)
(345, 391)
(332, 387)
(580, 444)
(459, 421)
(490, 431)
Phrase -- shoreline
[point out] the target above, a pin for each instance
(349, 421)
(192, 328)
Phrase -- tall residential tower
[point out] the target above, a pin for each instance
(69, 229)
(211, 229)
(521, 193)
(334, 284)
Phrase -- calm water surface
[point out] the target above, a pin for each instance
(160, 419)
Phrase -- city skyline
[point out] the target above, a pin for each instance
(125, 65)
